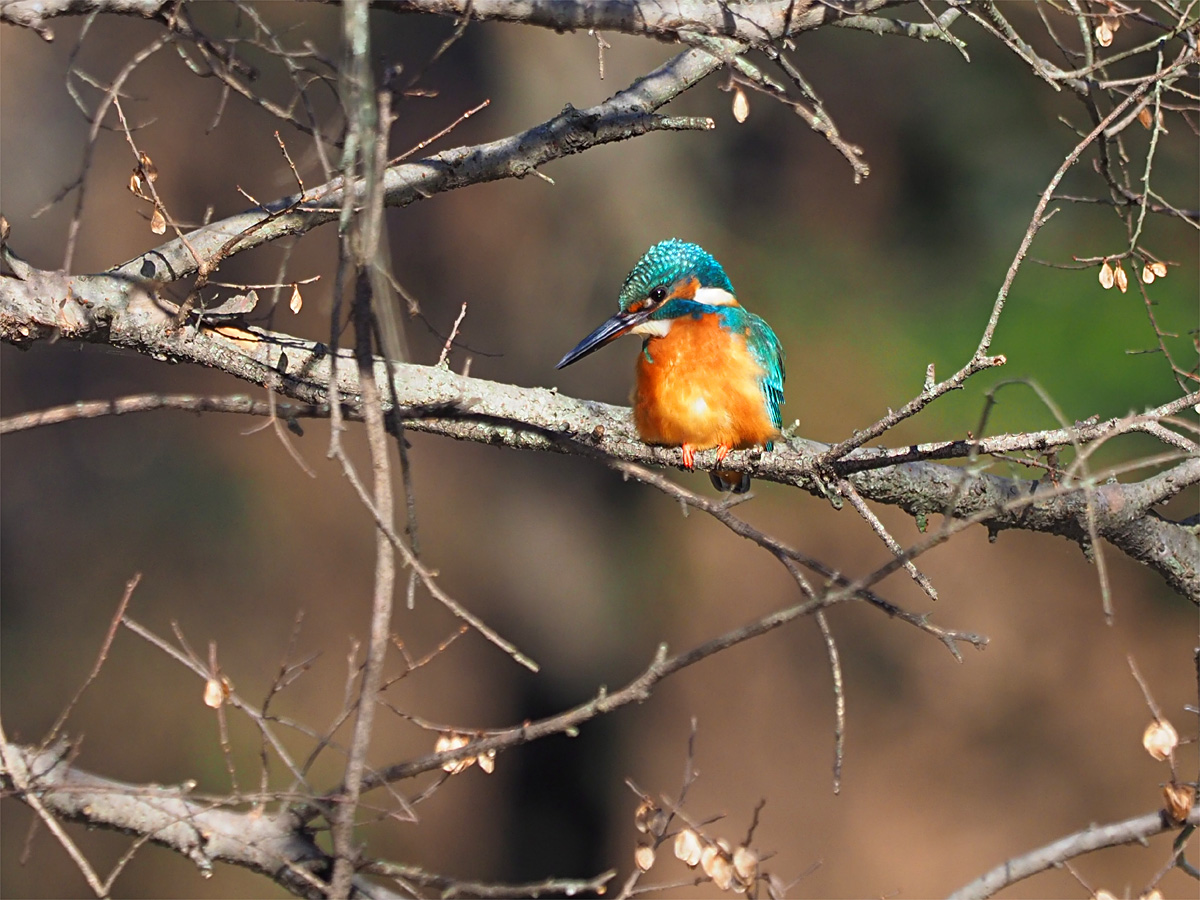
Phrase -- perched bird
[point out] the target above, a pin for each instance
(710, 374)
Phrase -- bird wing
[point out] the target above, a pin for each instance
(768, 353)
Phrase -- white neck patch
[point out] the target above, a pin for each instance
(713, 296)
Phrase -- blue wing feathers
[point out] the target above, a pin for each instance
(767, 351)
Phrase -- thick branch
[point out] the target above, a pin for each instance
(748, 23)
(277, 846)
(110, 309)
(625, 115)
(34, 13)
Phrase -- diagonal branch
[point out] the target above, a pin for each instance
(276, 846)
(629, 113)
(1094, 837)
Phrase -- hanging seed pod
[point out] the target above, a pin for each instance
(741, 105)
(687, 847)
(1160, 739)
(643, 857)
(1178, 800)
(453, 742)
(1121, 278)
(745, 864)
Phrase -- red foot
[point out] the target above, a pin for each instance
(689, 456)
(723, 451)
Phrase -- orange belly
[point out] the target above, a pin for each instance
(699, 385)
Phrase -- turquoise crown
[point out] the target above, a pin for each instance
(666, 263)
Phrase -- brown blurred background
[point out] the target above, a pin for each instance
(950, 768)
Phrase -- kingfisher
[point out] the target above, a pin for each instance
(710, 373)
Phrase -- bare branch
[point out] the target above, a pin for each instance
(276, 846)
(750, 23)
(130, 587)
(627, 114)
(365, 149)
(1136, 830)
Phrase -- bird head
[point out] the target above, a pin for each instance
(667, 282)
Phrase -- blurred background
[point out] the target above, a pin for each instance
(950, 768)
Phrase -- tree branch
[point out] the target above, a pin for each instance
(749, 23)
(34, 13)
(1135, 830)
(625, 115)
(114, 310)
(277, 846)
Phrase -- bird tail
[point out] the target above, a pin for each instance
(724, 480)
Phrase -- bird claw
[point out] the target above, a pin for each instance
(689, 456)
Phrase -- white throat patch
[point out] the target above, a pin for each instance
(652, 327)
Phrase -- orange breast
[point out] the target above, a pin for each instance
(698, 385)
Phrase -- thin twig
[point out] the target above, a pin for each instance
(981, 359)
(462, 314)
(860, 505)
(130, 586)
(839, 699)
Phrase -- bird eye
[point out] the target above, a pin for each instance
(659, 294)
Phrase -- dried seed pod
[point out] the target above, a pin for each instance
(297, 301)
(148, 166)
(658, 823)
(453, 741)
(216, 690)
(741, 105)
(1121, 278)
(487, 762)
(1145, 117)
(1160, 739)
(158, 222)
(1106, 276)
(688, 848)
(1104, 33)
(1147, 274)
(745, 863)
(721, 872)
(708, 857)
(1159, 268)
(1178, 800)
(643, 857)
(641, 817)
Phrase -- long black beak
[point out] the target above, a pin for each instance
(612, 329)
